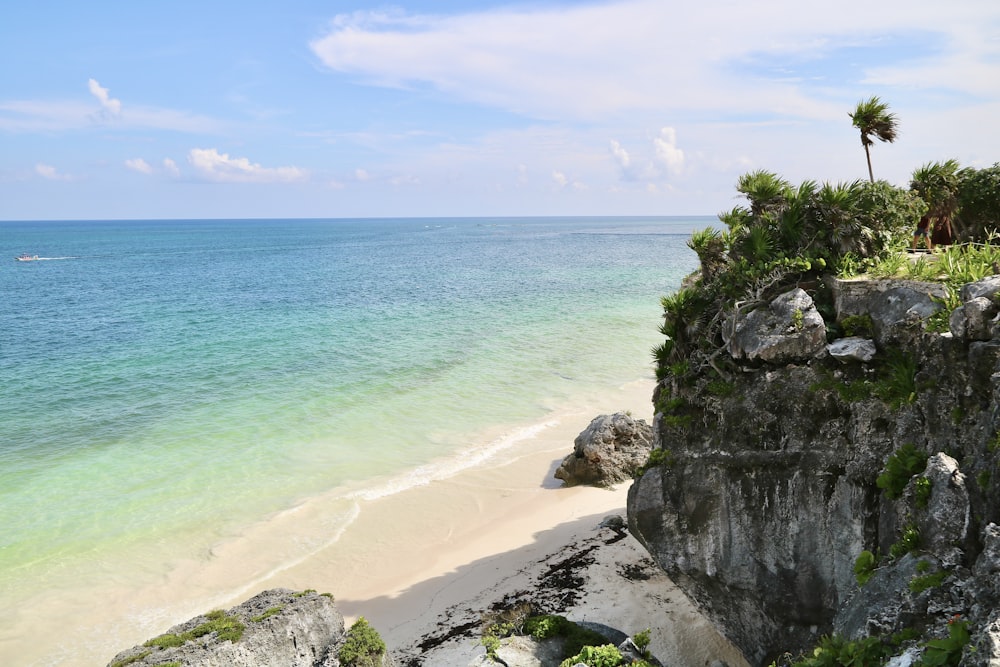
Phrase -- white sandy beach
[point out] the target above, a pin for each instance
(416, 564)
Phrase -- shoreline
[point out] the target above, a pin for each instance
(401, 558)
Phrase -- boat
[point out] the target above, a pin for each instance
(27, 258)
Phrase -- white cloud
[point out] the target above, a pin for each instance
(560, 178)
(109, 104)
(621, 155)
(50, 173)
(362, 174)
(139, 165)
(598, 60)
(217, 166)
(667, 151)
(171, 167)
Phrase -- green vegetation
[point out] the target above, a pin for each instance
(901, 466)
(910, 541)
(835, 651)
(864, 567)
(226, 628)
(641, 640)
(273, 611)
(920, 584)
(983, 479)
(872, 118)
(606, 655)
(128, 661)
(922, 491)
(858, 325)
(575, 637)
(302, 594)
(720, 388)
(947, 651)
(657, 457)
(897, 383)
(363, 646)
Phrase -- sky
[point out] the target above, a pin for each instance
(249, 109)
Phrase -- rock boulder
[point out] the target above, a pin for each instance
(610, 450)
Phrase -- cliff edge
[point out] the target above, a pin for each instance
(792, 468)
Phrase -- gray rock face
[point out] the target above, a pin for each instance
(282, 629)
(788, 329)
(852, 348)
(771, 492)
(610, 450)
(898, 315)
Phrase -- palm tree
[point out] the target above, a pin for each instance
(872, 117)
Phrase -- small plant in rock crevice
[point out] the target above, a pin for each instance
(900, 467)
(864, 567)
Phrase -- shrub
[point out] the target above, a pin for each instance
(575, 637)
(363, 646)
(864, 567)
(606, 655)
(906, 462)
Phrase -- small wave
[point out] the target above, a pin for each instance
(433, 472)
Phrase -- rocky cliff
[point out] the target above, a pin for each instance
(795, 456)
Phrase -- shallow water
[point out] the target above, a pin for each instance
(164, 384)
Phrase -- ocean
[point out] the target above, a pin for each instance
(164, 384)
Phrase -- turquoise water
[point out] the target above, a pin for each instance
(162, 378)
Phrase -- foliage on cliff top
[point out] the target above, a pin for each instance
(783, 236)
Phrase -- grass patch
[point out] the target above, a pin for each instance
(897, 384)
(920, 584)
(227, 628)
(273, 611)
(128, 661)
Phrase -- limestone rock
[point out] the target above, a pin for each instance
(282, 629)
(610, 450)
(770, 494)
(788, 329)
(898, 315)
(852, 348)
(988, 287)
(989, 560)
(944, 526)
(976, 319)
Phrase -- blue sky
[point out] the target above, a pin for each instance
(454, 108)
